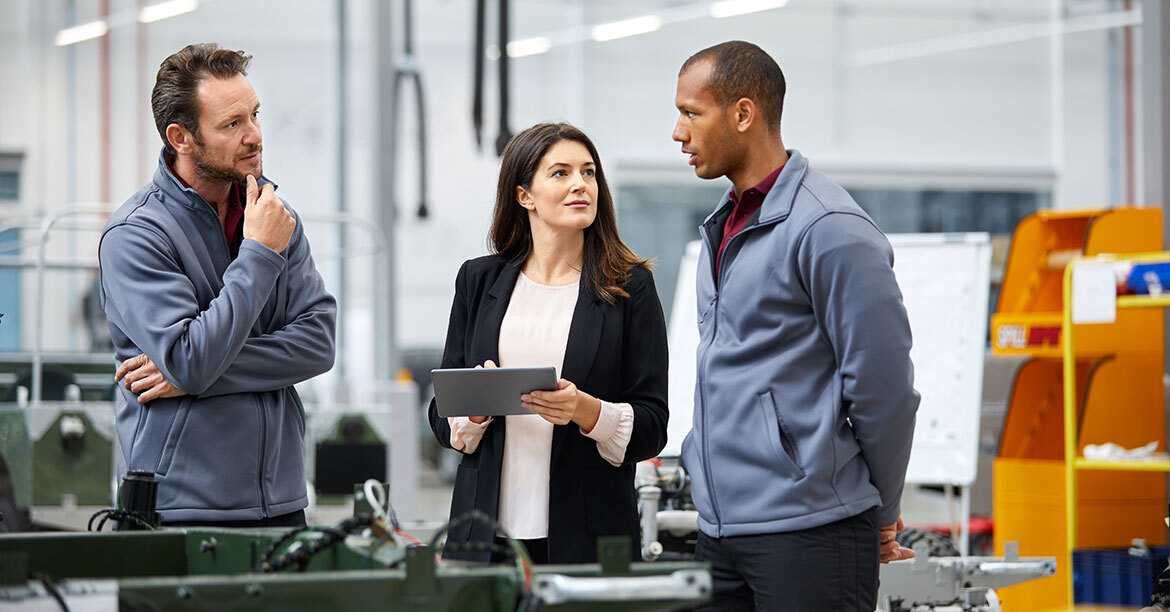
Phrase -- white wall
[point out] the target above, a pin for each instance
(984, 108)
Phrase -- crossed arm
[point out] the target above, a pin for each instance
(213, 351)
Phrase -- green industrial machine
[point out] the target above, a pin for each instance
(210, 569)
(72, 458)
(53, 451)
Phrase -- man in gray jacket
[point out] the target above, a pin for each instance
(215, 309)
(804, 397)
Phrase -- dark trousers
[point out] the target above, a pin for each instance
(537, 550)
(292, 519)
(831, 567)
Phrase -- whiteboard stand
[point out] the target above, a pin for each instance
(961, 524)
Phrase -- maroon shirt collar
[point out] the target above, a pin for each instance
(743, 209)
(233, 221)
(761, 188)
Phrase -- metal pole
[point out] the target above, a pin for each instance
(1115, 98)
(385, 338)
(342, 196)
(1056, 96)
(1156, 116)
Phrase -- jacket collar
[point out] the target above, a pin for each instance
(778, 203)
(502, 288)
(174, 191)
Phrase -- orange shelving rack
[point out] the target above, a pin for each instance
(1118, 370)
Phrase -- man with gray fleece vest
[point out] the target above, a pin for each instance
(215, 309)
(804, 396)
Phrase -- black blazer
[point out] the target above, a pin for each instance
(616, 353)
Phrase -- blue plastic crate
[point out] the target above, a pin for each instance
(1115, 576)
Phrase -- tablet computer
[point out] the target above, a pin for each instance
(488, 391)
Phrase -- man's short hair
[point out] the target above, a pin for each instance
(742, 70)
(174, 98)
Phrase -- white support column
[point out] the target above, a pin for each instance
(1155, 61)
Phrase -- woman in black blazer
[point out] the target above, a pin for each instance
(556, 248)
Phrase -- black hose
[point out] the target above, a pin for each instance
(422, 145)
(505, 132)
(477, 85)
(51, 588)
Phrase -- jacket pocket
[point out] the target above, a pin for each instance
(779, 437)
(706, 310)
(173, 434)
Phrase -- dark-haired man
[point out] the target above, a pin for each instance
(804, 397)
(215, 309)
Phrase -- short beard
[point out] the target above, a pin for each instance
(208, 171)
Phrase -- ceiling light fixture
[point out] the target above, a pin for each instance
(731, 8)
(164, 10)
(529, 46)
(625, 27)
(78, 33)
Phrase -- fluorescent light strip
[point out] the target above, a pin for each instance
(78, 33)
(165, 10)
(529, 46)
(626, 27)
(731, 8)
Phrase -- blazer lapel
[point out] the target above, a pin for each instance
(486, 342)
(584, 335)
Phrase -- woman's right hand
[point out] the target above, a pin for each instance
(478, 420)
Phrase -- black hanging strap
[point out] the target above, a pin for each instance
(505, 133)
(477, 62)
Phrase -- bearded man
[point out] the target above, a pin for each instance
(215, 309)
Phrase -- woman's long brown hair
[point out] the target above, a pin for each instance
(607, 261)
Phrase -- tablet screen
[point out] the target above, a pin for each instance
(488, 391)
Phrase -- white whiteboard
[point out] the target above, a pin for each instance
(944, 283)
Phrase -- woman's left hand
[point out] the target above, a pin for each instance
(565, 404)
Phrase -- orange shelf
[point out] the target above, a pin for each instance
(1109, 379)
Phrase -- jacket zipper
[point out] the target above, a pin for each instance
(718, 271)
(263, 453)
(703, 392)
(259, 403)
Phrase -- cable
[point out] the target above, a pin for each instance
(409, 538)
(117, 515)
(505, 133)
(301, 552)
(477, 84)
(375, 496)
(528, 601)
(51, 588)
(523, 563)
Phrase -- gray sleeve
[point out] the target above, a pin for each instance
(303, 347)
(147, 295)
(847, 266)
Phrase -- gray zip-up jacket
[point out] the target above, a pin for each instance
(804, 396)
(235, 335)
